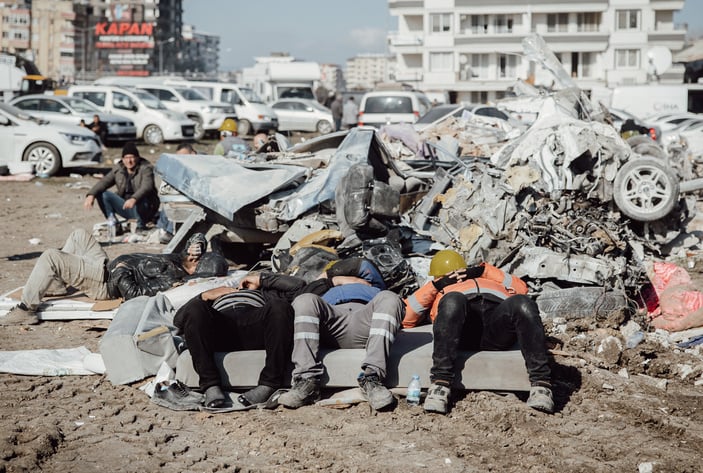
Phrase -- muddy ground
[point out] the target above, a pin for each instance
(616, 412)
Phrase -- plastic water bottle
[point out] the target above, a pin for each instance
(413, 395)
(111, 228)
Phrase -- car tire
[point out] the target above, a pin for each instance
(199, 132)
(243, 127)
(153, 135)
(645, 189)
(45, 157)
(323, 127)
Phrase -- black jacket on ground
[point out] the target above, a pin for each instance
(145, 274)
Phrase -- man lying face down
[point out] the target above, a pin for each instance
(84, 265)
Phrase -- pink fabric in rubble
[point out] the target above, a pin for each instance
(678, 300)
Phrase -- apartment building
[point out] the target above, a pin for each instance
(52, 37)
(364, 71)
(332, 77)
(15, 27)
(473, 49)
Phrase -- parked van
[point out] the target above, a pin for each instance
(252, 113)
(155, 123)
(643, 100)
(387, 107)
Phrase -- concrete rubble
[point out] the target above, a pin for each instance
(547, 202)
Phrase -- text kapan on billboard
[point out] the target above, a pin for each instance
(124, 29)
(124, 35)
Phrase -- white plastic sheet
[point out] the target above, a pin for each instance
(45, 362)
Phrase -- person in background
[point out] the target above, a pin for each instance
(185, 148)
(230, 145)
(84, 265)
(478, 308)
(337, 110)
(350, 114)
(135, 197)
(98, 127)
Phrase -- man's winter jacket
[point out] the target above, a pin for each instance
(142, 182)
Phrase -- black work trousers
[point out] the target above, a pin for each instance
(207, 331)
(481, 324)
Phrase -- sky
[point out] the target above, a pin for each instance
(324, 31)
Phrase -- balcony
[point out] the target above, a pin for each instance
(408, 75)
(396, 38)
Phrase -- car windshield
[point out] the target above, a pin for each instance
(81, 106)
(149, 100)
(295, 92)
(16, 113)
(206, 91)
(250, 95)
(190, 94)
(392, 104)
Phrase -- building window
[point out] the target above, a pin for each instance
(628, 19)
(587, 22)
(557, 22)
(441, 22)
(479, 24)
(503, 23)
(627, 58)
(479, 97)
(479, 66)
(441, 62)
(507, 66)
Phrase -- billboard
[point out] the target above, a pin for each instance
(127, 45)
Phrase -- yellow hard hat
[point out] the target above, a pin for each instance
(446, 261)
(229, 125)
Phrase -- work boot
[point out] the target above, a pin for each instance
(437, 399)
(20, 315)
(214, 397)
(541, 399)
(374, 391)
(303, 392)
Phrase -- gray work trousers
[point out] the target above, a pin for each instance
(80, 264)
(351, 325)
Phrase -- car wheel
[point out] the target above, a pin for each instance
(645, 189)
(45, 157)
(243, 127)
(153, 135)
(324, 127)
(199, 128)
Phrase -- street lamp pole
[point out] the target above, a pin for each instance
(161, 53)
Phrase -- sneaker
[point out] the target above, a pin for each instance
(304, 391)
(20, 315)
(177, 396)
(437, 399)
(374, 391)
(541, 399)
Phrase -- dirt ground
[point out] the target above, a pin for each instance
(616, 411)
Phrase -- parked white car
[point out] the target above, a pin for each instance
(303, 115)
(380, 108)
(208, 115)
(48, 147)
(253, 115)
(69, 111)
(155, 123)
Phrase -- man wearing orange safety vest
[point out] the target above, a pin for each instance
(478, 308)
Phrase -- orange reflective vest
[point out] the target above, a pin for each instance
(493, 284)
